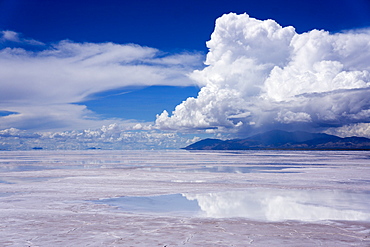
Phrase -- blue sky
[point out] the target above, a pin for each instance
(165, 24)
(74, 65)
(141, 103)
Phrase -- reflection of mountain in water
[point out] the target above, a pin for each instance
(278, 139)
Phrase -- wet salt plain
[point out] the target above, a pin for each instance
(182, 198)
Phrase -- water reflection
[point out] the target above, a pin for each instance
(223, 169)
(172, 204)
(256, 204)
(245, 169)
(280, 205)
(32, 168)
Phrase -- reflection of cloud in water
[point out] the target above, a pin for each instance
(257, 204)
(247, 169)
(279, 205)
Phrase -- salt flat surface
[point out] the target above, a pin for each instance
(182, 198)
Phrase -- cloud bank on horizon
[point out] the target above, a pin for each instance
(113, 136)
(262, 76)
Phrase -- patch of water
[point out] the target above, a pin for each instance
(256, 204)
(243, 169)
(174, 204)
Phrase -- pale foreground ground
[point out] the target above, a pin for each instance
(260, 198)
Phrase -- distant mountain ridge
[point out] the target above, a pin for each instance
(278, 139)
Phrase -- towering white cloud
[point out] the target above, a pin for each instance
(42, 83)
(262, 75)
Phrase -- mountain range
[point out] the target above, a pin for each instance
(278, 139)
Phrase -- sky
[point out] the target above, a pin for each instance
(122, 74)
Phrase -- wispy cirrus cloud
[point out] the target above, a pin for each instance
(41, 85)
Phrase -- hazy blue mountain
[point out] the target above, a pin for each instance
(278, 139)
(205, 144)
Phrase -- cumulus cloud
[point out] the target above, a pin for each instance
(360, 129)
(260, 76)
(42, 84)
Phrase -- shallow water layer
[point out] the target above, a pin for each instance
(173, 204)
(255, 204)
(181, 198)
(181, 161)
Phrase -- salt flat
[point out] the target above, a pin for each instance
(181, 198)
